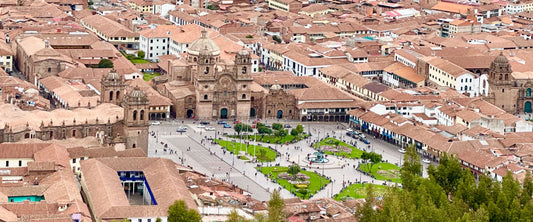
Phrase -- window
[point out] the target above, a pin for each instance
(205, 97)
(151, 41)
(503, 90)
(7, 163)
(49, 69)
(20, 163)
(74, 160)
(73, 133)
(135, 115)
(244, 86)
(243, 96)
(206, 70)
(142, 115)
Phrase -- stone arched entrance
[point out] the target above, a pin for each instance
(527, 107)
(224, 113)
(279, 114)
(190, 113)
(252, 112)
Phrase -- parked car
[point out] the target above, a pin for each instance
(402, 150)
(210, 128)
(181, 129)
(200, 126)
(155, 123)
(227, 126)
(355, 132)
(222, 122)
(204, 122)
(349, 133)
(425, 160)
(236, 122)
(349, 129)
(268, 126)
(366, 141)
(287, 126)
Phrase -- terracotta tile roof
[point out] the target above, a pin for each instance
(451, 7)
(108, 27)
(16, 118)
(404, 72)
(108, 198)
(447, 66)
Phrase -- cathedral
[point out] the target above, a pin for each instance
(205, 87)
(510, 91)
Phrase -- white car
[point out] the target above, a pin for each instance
(426, 161)
(200, 126)
(155, 123)
(349, 129)
(210, 128)
(402, 150)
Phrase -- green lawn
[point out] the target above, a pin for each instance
(136, 60)
(149, 76)
(384, 171)
(358, 191)
(273, 139)
(316, 181)
(269, 155)
(355, 153)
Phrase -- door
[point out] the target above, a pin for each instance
(280, 114)
(252, 112)
(527, 107)
(224, 113)
(190, 113)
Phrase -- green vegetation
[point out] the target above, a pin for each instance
(276, 207)
(249, 36)
(140, 54)
(272, 138)
(342, 149)
(212, 7)
(451, 193)
(135, 59)
(276, 38)
(149, 76)
(179, 212)
(105, 63)
(358, 191)
(383, 171)
(315, 181)
(266, 135)
(243, 158)
(262, 154)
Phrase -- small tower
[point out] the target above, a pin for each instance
(113, 88)
(500, 71)
(243, 63)
(206, 64)
(136, 107)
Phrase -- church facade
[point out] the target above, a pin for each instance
(510, 91)
(207, 87)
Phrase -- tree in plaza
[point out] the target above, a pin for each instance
(294, 132)
(411, 169)
(277, 126)
(264, 130)
(241, 127)
(527, 189)
(179, 212)
(233, 216)
(281, 133)
(260, 217)
(293, 169)
(372, 157)
(299, 128)
(276, 207)
(140, 54)
(105, 63)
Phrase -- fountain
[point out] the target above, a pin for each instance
(318, 157)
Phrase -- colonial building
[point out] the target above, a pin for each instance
(511, 91)
(125, 126)
(221, 90)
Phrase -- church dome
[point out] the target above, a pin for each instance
(112, 75)
(243, 52)
(501, 59)
(204, 45)
(136, 93)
